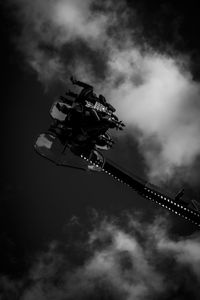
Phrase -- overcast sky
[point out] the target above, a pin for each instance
(66, 234)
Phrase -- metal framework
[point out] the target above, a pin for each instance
(188, 211)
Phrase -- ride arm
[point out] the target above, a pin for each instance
(150, 192)
(81, 84)
(71, 94)
(184, 209)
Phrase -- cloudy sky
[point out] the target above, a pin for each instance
(72, 235)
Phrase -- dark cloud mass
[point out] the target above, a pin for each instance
(131, 262)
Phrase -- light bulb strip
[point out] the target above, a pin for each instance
(156, 197)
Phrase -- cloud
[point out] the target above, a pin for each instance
(186, 252)
(76, 18)
(159, 100)
(47, 26)
(130, 261)
(154, 93)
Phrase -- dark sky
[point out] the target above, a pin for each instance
(38, 199)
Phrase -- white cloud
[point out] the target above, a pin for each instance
(47, 26)
(186, 252)
(127, 262)
(76, 20)
(161, 101)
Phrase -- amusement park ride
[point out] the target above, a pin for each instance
(79, 132)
